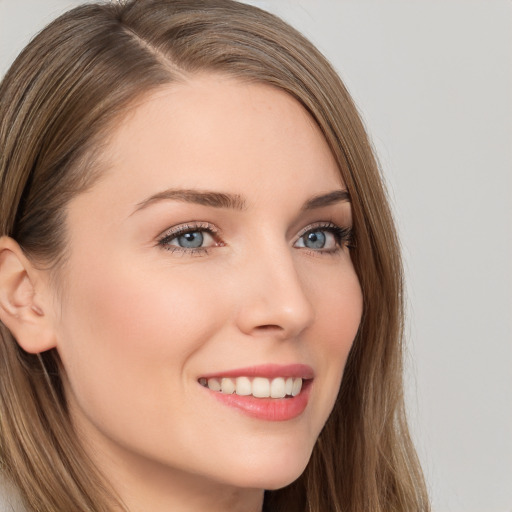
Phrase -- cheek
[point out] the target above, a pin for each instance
(339, 305)
(127, 335)
(341, 316)
(126, 303)
(338, 318)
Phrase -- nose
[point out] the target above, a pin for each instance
(273, 299)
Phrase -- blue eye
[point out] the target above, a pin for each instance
(315, 239)
(189, 238)
(327, 238)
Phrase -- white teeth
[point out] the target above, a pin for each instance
(259, 387)
(297, 386)
(243, 386)
(277, 388)
(289, 385)
(227, 386)
(214, 384)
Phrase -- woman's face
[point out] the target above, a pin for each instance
(212, 252)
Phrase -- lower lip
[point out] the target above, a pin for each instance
(268, 409)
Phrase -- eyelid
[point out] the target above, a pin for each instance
(188, 227)
(327, 225)
(344, 233)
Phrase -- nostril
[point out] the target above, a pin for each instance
(270, 327)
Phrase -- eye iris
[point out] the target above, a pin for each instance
(315, 240)
(191, 240)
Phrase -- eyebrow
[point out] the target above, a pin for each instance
(337, 196)
(233, 201)
(204, 197)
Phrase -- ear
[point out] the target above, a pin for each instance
(23, 308)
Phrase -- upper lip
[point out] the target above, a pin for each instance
(295, 370)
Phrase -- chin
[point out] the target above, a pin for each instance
(275, 473)
(285, 480)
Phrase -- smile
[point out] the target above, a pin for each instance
(259, 387)
(268, 392)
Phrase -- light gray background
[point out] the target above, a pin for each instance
(433, 81)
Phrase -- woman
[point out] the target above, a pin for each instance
(199, 278)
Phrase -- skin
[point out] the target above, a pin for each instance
(138, 323)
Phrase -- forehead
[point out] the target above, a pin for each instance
(215, 132)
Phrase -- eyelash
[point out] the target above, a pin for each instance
(343, 237)
(202, 227)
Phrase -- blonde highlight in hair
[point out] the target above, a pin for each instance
(59, 102)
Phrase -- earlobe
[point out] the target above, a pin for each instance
(22, 308)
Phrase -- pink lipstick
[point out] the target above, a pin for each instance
(267, 392)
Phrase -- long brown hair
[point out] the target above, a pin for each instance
(58, 101)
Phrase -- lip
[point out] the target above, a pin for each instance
(267, 409)
(269, 371)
